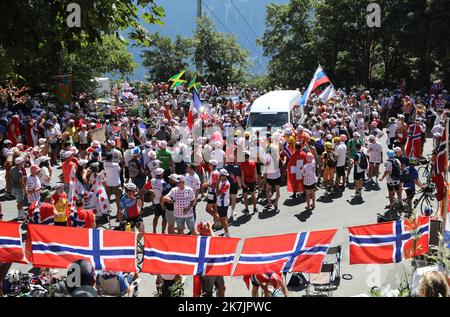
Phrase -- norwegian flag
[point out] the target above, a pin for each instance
(441, 155)
(296, 252)
(414, 145)
(98, 199)
(11, 243)
(189, 255)
(58, 247)
(390, 242)
(439, 167)
(287, 149)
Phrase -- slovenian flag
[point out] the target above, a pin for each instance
(319, 79)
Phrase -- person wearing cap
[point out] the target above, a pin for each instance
(163, 134)
(415, 142)
(71, 129)
(402, 132)
(341, 153)
(194, 182)
(273, 175)
(248, 174)
(351, 146)
(62, 205)
(412, 182)
(130, 208)
(157, 187)
(329, 159)
(391, 132)
(83, 138)
(393, 172)
(69, 162)
(45, 174)
(95, 159)
(42, 211)
(34, 184)
(169, 206)
(136, 170)
(183, 199)
(18, 184)
(127, 157)
(112, 179)
(223, 199)
(211, 203)
(165, 157)
(360, 163)
(80, 217)
(309, 181)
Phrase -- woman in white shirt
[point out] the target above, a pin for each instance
(273, 175)
(309, 181)
(45, 174)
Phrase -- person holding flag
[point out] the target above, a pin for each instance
(295, 165)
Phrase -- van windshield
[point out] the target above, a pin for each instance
(261, 120)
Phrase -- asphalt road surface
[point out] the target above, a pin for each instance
(338, 211)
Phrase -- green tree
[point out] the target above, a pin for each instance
(289, 41)
(413, 42)
(165, 57)
(221, 57)
(110, 55)
(34, 33)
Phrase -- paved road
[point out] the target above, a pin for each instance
(337, 212)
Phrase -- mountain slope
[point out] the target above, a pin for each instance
(180, 20)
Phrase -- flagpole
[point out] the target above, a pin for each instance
(444, 216)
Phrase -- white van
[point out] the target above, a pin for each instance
(275, 108)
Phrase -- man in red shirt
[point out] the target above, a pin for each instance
(248, 172)
(43, 212)
(82, 218)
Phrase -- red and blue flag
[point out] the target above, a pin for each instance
(189, 255)
(296, 252)
(11, 243)
(58, 247)
(390, 242)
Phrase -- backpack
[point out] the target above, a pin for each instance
(133, 168)
(404, 175)
(396, 172)
(332, 162)
(363, 161)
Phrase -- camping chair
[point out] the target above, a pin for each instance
(337, 252)
(321, 282)
(111, 287)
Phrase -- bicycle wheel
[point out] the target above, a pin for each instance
(430, 203)
(423, 173)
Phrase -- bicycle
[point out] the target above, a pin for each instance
(129, 226)
(426, 168)
(401, 209)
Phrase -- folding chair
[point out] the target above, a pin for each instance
(321, 282)
(337, 252)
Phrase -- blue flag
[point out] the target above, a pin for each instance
(196, 100)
